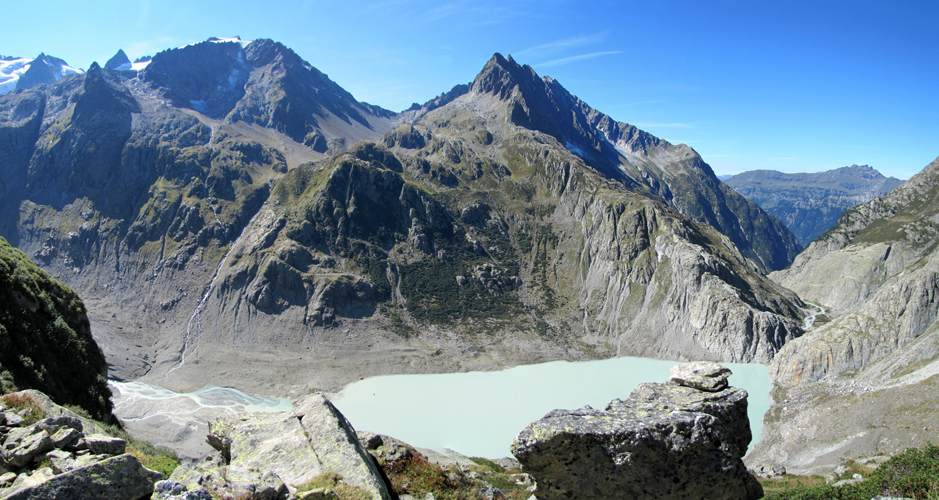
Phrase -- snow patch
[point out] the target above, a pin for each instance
(66, 70)
(140, 64)
(574, 149)
(238, 40)
(12, 68)
(10, 71)
(233, 78)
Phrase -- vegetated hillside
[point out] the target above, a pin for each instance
(810, 203)
(45, 338)
(870, 373)
(194, 209)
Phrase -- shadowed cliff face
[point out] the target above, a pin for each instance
(209, 237)
(877, 275)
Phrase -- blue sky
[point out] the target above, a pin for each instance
(787, 85)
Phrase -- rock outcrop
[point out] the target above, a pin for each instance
(115, 478)
(267, 455)
(666, 441)
(63, 456)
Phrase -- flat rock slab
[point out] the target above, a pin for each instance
(702, 375)
(665, 441)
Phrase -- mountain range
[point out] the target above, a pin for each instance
(810, 203)
(221, 217)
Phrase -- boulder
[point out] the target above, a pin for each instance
(66, 437)
(116, 478)
(262, 454)
(337, 445)
(665, 441)
(100, 444)
(27, 449)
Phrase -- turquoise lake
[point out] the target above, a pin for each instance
(479, 413)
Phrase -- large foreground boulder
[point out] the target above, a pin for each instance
(271, 455)
(666, 441)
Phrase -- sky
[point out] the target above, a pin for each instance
(796, 86)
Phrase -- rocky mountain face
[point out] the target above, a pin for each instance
(644, 164)
(810, 203)
(865, 378)
(193, 207)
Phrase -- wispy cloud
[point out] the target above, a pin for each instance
(559, 45)
(639, 103)
(144, 15)
(664, 125)
(572, 59)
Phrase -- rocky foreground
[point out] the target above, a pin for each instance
(681, 439)
(63, 456)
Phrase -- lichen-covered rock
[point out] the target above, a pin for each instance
(116, 478)
(665, 441)
(702, 375)
(105, 445)
(23, 452)
(262, 454)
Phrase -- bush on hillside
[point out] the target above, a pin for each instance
(45, 338)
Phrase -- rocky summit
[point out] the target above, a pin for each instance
(216, 208)
(670, 440)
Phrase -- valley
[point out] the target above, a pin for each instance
(556, 240)
(233, 220)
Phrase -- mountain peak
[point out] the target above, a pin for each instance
(44, 69)
(500, 76)
(119, 61)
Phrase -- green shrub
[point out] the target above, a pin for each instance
(158, 458)
(911, 474)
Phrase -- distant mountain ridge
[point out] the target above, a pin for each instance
(23, 72)
(810, 203)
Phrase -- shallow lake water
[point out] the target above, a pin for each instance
(479, 413)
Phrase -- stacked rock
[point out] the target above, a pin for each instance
(681, 439)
